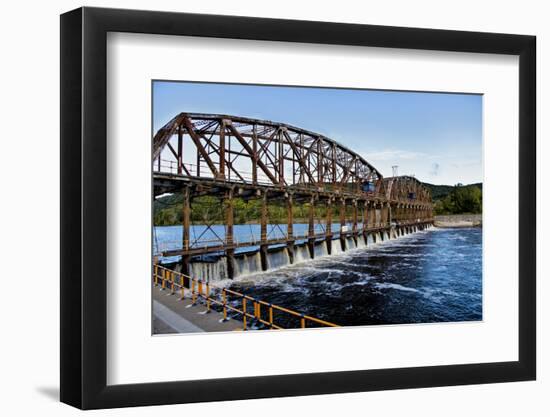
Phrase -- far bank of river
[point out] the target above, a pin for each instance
(458, 220)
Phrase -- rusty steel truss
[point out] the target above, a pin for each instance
(229, 156)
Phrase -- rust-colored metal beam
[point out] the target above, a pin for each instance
(299, 158)
(197, 141)
(229, 208)
(290, 218)
(247, 147)
(222, 148)
(186, 218)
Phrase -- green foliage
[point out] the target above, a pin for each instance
(168, 211)
(460, 199)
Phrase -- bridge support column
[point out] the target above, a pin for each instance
(365, 220)
(263, 233)
(311, 228)
(384, 216)
(328, 226)
(372, 217)
(381, 214)
(343, 223)
(229, 220)
(186, 223)
(396, 213)
(290, 229)
(354, 224)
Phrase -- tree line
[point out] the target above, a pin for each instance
(167, 210)
(458, 199)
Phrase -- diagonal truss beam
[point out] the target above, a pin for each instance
(197, 141)
(248, 149)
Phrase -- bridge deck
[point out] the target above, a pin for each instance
(172, 183)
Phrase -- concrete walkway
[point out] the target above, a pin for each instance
(172, 315)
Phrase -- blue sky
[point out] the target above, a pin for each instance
(436, 137)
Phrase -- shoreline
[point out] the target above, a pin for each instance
(458, 220)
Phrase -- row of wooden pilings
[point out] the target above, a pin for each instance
(372, 214)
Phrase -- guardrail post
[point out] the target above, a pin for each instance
(257, 310)
(224, 303)
(202, 289)
(182, 283)
(207, 297)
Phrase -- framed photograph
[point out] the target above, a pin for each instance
(261, 208)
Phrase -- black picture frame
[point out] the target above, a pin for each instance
(84, 207)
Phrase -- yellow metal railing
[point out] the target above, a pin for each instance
(262, 311)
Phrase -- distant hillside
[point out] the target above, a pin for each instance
(457, 199)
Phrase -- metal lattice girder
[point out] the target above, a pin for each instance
(403, 187)
(280, 153)
(262, 153)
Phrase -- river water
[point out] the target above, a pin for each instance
(425, 277)
(170, 237)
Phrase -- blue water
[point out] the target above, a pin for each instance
(170, 237)
(426, 277)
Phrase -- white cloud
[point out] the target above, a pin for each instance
(396, 155)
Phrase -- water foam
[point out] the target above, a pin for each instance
(390, 285)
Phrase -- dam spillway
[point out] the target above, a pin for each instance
(214, 268)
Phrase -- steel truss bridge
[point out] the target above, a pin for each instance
(229, 157)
